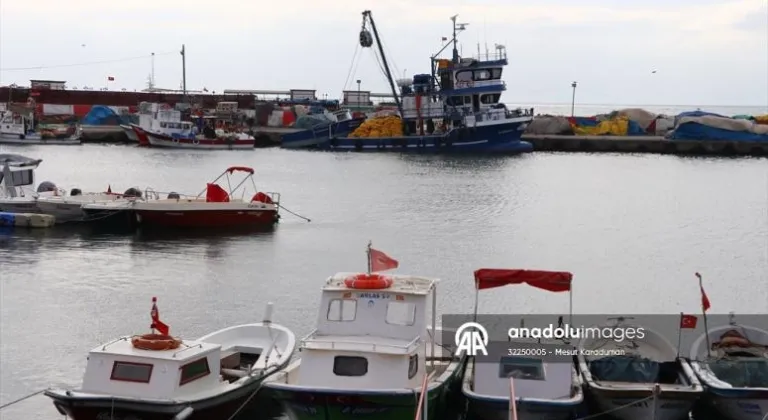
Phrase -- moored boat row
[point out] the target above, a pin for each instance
(376, 348)
(213, 207)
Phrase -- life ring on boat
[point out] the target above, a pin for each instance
(155, 342)
(195, 141)
(175, 140)
(368, 281)
(732, 341)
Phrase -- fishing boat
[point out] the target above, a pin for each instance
(542, 387)
(734, 371)
(214, 207)
(128, 130)
(18, 126)
(372, 353)
(158, 376)
(456, 108)
(640, 377)
(208, 134)
(17, 184)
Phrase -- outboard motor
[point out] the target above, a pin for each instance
(75, 191)
(46, 186)
(173, 195)
(132, 192)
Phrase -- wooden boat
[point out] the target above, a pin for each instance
(18, 126)
(542, 387)
(734, 372)
(157, 376)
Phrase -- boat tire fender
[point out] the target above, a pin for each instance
(368, 281)
(175, 140)
(195, 142)
(156, 342)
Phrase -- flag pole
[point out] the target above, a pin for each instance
(679, 334)
(704, 312)
(368, 253)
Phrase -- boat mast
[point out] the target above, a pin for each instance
(456, 29)
(367, 14)
(183, 72)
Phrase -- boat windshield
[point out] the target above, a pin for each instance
(522, 368)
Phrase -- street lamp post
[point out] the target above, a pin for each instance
(573, 98)
(358, 95)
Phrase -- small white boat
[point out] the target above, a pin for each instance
(638, 378)
(17, 184)
(734, 372)
(130, 133)
(162, 377)
(69, 208)
(19, 127)
(544, 387)
(371, 353)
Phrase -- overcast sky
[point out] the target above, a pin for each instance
(705, 52)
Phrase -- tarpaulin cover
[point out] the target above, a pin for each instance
(620, 126)
(625, 369)
(761, 119)
(549, 125)
(7, 219)
(695, 114)
(103, 115)
(719, 128)
(742, 373)
(583, 121)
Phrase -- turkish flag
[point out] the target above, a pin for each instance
(156, 323)
(110, 78)
(688, 321)
(381, 261)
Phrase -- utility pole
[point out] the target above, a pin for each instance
(153, 71)
(183, 71)
(573, 98)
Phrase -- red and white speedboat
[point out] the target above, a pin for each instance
(217, 208)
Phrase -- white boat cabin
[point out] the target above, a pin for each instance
(119, 369)
(534, 378)
(369, 339)
(13, 123)
(15, 177)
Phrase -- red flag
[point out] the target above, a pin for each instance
(110, 78)
(381, 261)
(704, 299)
(688, 321)
(156, 323)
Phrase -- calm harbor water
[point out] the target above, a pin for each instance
(632, 228)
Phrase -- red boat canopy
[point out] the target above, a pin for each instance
(240, 168)
(553, 281)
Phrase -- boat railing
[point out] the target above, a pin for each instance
(466, 84)
(315, 341)
(499, 54)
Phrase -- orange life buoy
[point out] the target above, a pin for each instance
(155, 342)
(368, 281)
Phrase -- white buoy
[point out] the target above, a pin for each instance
(268, 313)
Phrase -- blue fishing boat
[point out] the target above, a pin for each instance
(325, 128)
(456, 108)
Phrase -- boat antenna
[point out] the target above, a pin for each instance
(457, 27)
(365, 42)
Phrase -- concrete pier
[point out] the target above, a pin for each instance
(644, 144)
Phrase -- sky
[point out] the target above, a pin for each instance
(704, 52)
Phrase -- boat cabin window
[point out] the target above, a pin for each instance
(490, 98)
(342, 310)
(401, 313)
(482, 74)
(413, 366)
(131, 372)
(18, 178)
(496, 73)
(521, 368)
(194, 370)
(464, 76)
(350, 366)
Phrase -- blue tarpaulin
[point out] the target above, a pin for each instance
(103, 115)
(695, 131)
(696, 114)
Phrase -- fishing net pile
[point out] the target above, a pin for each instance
(390, 126)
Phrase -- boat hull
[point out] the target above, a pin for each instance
(327, 404)
(504, 137)
(110, 219)
(221, 218)
(10, 138)
(63, 212)
(132, 137)
(669, 405)
(498, 409)
(160, 140)
(313, 138)
(141, 135)
(734, 407)
(10, 205)
(106, 408)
